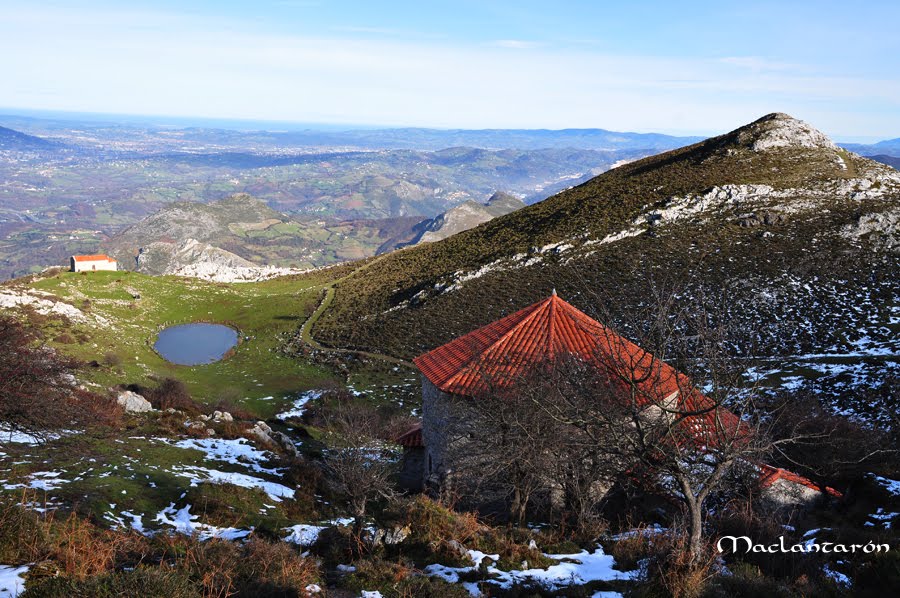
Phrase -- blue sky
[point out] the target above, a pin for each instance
(692, 67)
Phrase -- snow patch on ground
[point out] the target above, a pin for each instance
(891, 486)
(303, 534)
(883, 517)
(571, 570)
(299, 405)
(187, 524)
(41, 480)
(235, 452)
(306, 534)
(199, 475)
(12, 580)
(837, 576)
(8, 436)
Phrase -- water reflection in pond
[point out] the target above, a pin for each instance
(195, 344)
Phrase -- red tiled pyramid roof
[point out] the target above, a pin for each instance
(503, 350)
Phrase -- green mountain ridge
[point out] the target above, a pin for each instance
(796, 229)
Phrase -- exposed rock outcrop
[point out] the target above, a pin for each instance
(778, 130)
(264, 433)
(132, 402)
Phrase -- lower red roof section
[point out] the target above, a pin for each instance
(412, 438)
(768, 475)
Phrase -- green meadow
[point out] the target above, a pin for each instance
(126, 311)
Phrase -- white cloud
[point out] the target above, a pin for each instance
(516, 44)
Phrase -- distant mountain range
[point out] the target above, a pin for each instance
(398, 138)
(435, 139)
(243, 232)
(888, 147)
(889, 160)
(240, 232)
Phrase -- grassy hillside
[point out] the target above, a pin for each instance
(118, 330)
(792, 272)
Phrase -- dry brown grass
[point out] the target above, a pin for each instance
(78, 556)
(81, 549)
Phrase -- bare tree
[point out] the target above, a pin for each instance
(38, 394)
(578, 422)
(359, 466)
(500, 445)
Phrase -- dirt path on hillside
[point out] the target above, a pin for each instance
(306, 329)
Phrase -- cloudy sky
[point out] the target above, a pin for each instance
(641, 66)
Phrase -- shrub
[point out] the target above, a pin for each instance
(171, 393)
(274, 569)
(64, 339)
(672, 572)
(113, 360)
(433, 522)
(225, 505)
(398, 580)
(82, 549)
(23, 537)
(140, 582)
(881, 572)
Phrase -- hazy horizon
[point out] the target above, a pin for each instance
(249, 125)
(698, 69)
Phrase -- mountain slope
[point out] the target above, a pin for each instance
(14, 140)
(468, 214)
(797, 231)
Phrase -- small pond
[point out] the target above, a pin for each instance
(195, 344)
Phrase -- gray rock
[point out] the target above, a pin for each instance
(261, 431)
(132, 402)
(391, 537)
(285, 442)
(222, 416)
(264, 433)
(458, 548)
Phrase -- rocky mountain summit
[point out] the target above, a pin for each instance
(779, 130)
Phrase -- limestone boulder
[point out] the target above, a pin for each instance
(132, 402)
